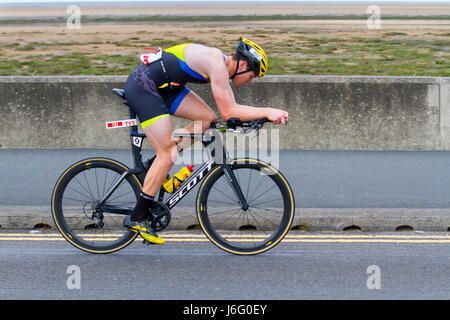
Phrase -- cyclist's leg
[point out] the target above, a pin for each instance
(155, 120)
(183, 103)
(159, 135)
(192, 107)
(153, 113)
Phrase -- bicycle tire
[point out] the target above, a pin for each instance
(72, 209)
(246, 235)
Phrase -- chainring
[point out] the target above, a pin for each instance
(161, 216)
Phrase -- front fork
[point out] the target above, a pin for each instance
(232, 181)
(215, 143)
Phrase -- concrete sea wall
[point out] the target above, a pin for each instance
(326, 112)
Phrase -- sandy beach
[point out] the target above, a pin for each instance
(25, 42)
(227, 9)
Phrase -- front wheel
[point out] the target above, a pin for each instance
(76, 196)
(254, 230)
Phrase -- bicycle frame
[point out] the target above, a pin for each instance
(210, 142)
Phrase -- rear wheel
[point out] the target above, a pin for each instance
(254, 230)
(75, 196)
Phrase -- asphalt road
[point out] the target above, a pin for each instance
(410, 265)
(320, 179)
(303, 266)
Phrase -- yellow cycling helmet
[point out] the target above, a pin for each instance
(255, 56)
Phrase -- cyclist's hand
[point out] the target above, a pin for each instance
(277, 116)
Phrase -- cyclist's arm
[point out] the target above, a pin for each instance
(226, 103)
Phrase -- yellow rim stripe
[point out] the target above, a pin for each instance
(68, 237)
(149, 122)
(291, 196)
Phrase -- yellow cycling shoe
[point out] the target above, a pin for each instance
(144, 229)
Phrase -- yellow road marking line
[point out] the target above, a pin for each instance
(178, 235)
(249, 240)
(368, 240)
(246, 238)
(368, 237)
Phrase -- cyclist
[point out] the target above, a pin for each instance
(155, 90)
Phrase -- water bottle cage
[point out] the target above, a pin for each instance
(173, 184)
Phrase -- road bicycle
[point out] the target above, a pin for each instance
(244, 206)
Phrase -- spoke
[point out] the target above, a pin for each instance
(265, 201)
(251, 231)
(255, 190)
(270, 210)
(79, 196)
(78, 209)
(104, 182)
(82, 187)
(96, 182)
(237, 176)
(265, 219)
(233, 226)
(77, 200)
(87, 183)
(234, 213)
(256, 220)
(261, 228)
(220, 212)
(264, 192)
(230, 203)
(248, 186)
(234, 201)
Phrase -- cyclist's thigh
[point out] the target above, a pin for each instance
(159, 134)
(190, 106)
(145, 101)
(153, 114)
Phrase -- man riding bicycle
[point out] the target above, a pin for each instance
(155, 90)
